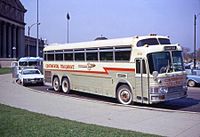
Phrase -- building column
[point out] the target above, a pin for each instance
(21, 42)
(9, 41)
(1, 39)
(4, 40)
(14, 43)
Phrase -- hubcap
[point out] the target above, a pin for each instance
(65, 86)
(191, 83)
(56, 84)
(125, 96)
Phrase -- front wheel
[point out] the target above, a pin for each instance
(56, 84)
(191, 83)
(124, 95)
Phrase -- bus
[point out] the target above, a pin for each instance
(27, 62)
(145, 69)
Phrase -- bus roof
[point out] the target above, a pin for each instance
(25, 59)
(101, 43)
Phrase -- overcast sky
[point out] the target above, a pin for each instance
(114, 19)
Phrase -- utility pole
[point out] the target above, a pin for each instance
(37, 44)
(195, 40)
(195, 46)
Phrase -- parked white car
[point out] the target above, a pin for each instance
(31, 76)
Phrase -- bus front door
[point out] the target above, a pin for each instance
(141, 81)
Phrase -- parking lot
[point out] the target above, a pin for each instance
(191, 103)
(103, 111)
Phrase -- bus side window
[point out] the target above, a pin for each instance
(50, 57)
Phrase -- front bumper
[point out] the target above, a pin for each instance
(171, 94)
(33, 81)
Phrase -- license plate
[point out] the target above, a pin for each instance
(33, 81)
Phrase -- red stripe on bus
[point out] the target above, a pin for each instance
(98, 72)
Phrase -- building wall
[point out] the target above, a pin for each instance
(12, 29)
(30, 46)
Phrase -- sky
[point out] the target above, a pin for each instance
(114, 19)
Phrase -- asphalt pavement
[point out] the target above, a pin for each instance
(163, 122)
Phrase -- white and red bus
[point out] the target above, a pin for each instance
(145, 69)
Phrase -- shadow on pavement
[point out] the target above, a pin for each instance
(186, 104)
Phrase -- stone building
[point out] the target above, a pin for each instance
(12, 29)
(30, 46)
(13, 42)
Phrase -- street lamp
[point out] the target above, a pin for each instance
(68, 18)
(29, 32)
(14, 51)
(195, 46)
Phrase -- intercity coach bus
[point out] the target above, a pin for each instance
(146, 69)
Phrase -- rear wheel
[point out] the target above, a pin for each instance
(124, 95)
(65, 85)
(191, 83)
(56, 84)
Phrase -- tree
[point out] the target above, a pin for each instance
(198, 55)
(186, 54)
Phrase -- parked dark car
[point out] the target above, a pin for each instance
(193, 77)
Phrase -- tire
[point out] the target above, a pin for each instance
(124, 95)
(191, 83)
(65, 85)
(23, 83)
(56, 84)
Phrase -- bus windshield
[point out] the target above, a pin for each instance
(158, 61)
(178, 64)
(162, 62)
(28, 63)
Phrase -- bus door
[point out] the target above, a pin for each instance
(141, 81)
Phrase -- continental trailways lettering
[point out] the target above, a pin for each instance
(56, 66)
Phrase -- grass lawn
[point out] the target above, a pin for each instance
(22, 123)
(5, 70)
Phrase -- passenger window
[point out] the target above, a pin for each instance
(92, 56)
(68, 56)
(79, 57)
(122, 55)
(106, 56)
(50, 57)
(59, 57)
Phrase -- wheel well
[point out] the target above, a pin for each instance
(65, 77)
(120, 84)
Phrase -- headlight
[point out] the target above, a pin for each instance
(25, 80)
(163, 90)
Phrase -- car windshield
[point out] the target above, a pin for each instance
(28, 72)
(162, 63)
